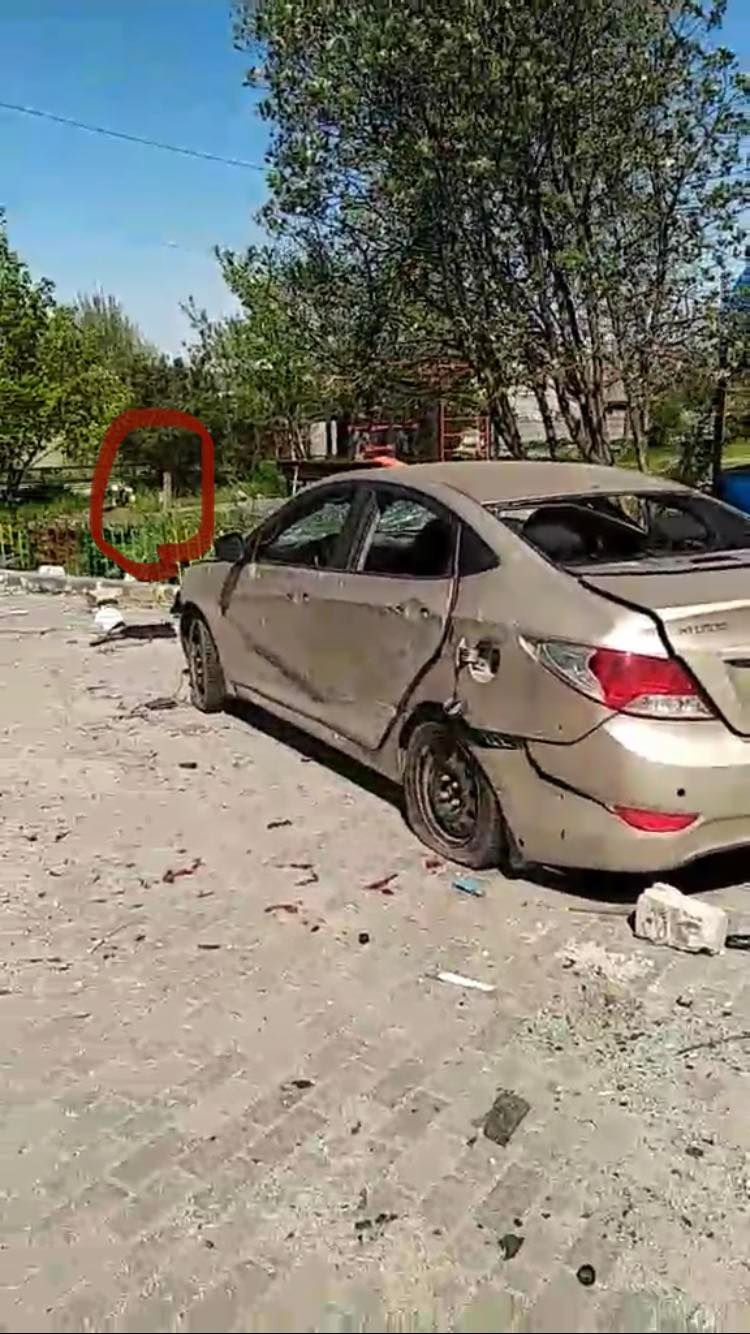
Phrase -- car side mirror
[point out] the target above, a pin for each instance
(229, 547)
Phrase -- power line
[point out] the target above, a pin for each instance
(129, 138)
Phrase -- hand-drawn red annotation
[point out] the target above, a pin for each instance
(169, 553)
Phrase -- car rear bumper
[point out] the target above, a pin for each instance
(559, 799)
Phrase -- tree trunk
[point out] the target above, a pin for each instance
(504, 425)
(547, 416)
(343, 435)
(639, 432)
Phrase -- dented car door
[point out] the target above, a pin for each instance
(392, 614)
(270, 639)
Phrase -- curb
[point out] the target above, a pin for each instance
(137, 591)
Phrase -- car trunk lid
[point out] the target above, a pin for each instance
(702, 605)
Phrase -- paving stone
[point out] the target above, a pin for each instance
(229, 1302)
(129, 1193)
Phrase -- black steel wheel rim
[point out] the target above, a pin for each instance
(448, 791)
(197, 659)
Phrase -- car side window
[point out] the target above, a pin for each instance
(409, 539)
(312, 539)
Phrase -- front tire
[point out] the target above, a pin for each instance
(450, 804)
(208, 689)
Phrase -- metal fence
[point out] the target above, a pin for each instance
(25, 544)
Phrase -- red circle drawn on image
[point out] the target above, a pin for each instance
(170, 553)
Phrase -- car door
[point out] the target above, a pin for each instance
(271, 635)
(390, 611)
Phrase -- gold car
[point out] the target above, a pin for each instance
(552, 658)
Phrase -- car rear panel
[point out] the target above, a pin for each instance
(704, 615)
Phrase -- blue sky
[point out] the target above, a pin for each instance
(88, 211)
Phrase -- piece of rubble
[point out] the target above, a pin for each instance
(665, 916)
(53, 571)
(108, 618)
(458, 980)
(505, 1116)
(510, 1245)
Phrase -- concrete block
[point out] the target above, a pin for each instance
(667, 917)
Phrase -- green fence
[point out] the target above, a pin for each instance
(25, 544)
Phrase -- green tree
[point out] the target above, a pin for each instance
(54, 388)
(119, 341)
(551, 182)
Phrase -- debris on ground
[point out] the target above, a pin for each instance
(364, 937)
(587, 956)
(510, 1245)
(505, 1116)
(586, 1275)
(278, 824)
(665, 916)
(283, 907)
(433, 864)
(171, 875)
(52, 571)
(737, 941)
(208, 945)
(187, 764)
(468, 885)
(382, 886)
(373, 1226)
(108, 619)
(714, 1042)
(458, 980)
(153, 705)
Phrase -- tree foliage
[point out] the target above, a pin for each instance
(549, 184)
(54, 388)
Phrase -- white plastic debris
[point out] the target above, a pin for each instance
(667, 917)
(108, 619)
(57, 570)
(458, 980)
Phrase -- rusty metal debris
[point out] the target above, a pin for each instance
(382, 886)
(171, 875)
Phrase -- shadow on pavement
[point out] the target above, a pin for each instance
(599, 887)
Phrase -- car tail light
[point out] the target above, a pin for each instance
(655, 822)
(625, 682)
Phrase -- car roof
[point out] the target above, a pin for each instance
(495, 481)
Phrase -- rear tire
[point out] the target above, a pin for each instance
(450, 804)
(208, 689)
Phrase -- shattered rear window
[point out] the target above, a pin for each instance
(626, 528)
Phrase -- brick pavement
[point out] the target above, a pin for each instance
(217, 1117)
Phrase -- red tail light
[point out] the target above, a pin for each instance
(627, 682)
(654, 822)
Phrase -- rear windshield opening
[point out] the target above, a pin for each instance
(612, 529)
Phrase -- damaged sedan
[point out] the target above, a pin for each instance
(552, 659)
